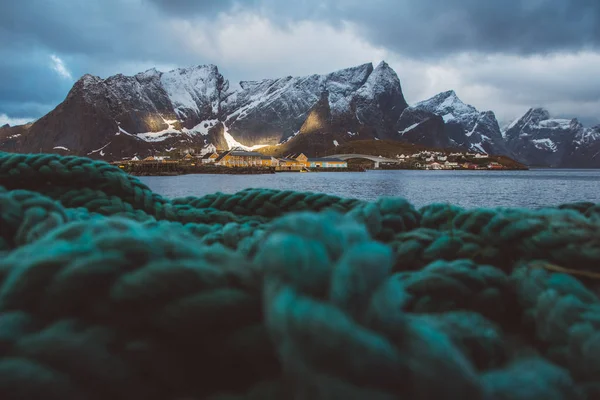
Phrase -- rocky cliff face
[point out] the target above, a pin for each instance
(150, 112)
(323, 130)
(422, 127)
(463, 125)
(538, 139)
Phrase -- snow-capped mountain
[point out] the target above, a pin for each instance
(272, 111)
(464, 126)
(538, 139)
(150, 112)
(160, 112)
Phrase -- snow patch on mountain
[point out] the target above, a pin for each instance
(478, 148)
(410, 128)
(545, 144)
(202, 128)
(448, 117)
(587, 136)
(234, 144)
(123, 131)
(289, 138)
(100, 150)
(555, 124)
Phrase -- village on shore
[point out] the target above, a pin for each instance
(239, 160)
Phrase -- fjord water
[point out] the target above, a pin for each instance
(533, 188)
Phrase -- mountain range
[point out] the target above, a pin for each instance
(161, 112)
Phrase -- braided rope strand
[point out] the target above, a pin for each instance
(108, 290)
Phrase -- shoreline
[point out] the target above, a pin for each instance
(179, 170)
(272, 171)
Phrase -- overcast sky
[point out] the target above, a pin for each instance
(500, 55)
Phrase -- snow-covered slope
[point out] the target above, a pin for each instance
(538, 139)
(272, 110)
(194, 92)
(464, 125)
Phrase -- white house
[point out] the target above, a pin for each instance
(430, 159)
(442, 158)
(208, 149)
(479, 155)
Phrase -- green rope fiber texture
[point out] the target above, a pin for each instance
(110, 291)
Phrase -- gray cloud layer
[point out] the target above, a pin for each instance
(104, 37)
(438, 27)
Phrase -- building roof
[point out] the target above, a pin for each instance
(245, 153)
(325, 159)
(288, 160)
(207, 156)
(222, 155)
(295, 155)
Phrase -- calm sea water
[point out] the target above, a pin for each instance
(533, 188)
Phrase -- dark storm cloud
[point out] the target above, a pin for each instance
(203, 7)
(433, 28)
(439, 27)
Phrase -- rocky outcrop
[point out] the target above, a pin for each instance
(538, 139)
(422, 127)
(464, 126)
(323, 131)
(380, 101)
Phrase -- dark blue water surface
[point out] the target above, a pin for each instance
(537, 187)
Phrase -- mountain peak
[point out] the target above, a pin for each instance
(446, 103)
(89, 79)
(536, 114)
(148, 74)
(195, 68)
(383, 69)
(383, 65)
(84, 85)
(359, 73)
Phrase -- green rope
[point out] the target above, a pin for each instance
(108, 290)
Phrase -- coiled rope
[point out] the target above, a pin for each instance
(110, 291)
